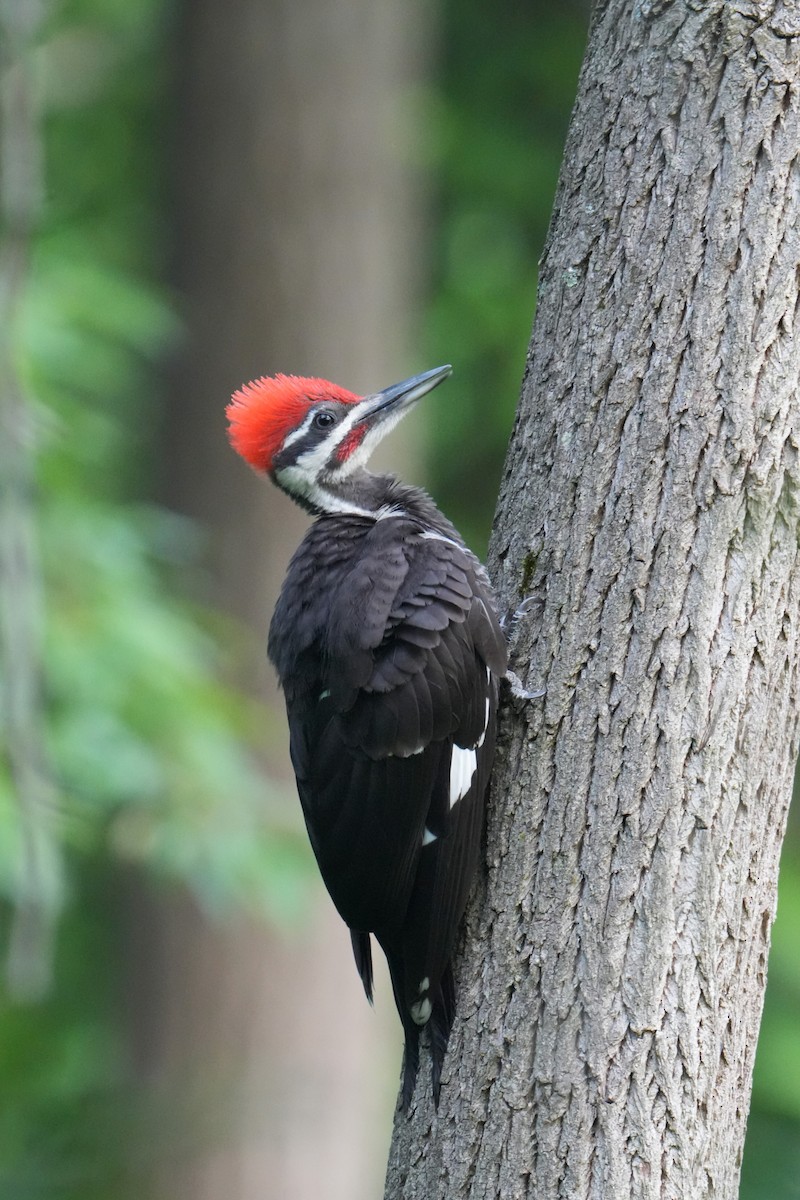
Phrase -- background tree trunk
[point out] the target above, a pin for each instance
(297, 217)
(611, 986)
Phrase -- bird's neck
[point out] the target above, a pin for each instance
(377, 497)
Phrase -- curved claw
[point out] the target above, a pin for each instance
(518, 689)
(510, 620)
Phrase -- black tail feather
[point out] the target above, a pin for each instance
(362, 952)
(410, 1064)
(438, 1034)
(436, 1031)
(439, 1026)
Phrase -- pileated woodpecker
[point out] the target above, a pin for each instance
(388, 647)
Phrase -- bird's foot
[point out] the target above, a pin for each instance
(518, 689)
(510, 620)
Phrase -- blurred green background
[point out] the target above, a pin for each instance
(168, 232)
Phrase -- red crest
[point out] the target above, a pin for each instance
(262, 413)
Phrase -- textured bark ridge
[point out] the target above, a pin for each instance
(613, 975)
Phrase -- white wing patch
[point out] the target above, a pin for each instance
(421, 1011)
(482, 738)
(463, 765)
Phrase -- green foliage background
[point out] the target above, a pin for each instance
(150, 751)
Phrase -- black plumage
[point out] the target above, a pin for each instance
(389, 652)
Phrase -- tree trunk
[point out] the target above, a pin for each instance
(296, 216)
(611, 985)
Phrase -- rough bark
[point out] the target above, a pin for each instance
(612, 980)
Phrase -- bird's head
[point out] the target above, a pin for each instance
(311, 436)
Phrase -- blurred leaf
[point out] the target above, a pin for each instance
(154, 754)
(771, 1166)
(495, 129)
(776, 1080)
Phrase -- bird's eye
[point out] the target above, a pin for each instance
(323, 419)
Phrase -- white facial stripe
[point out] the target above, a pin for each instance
(331, 503)
(463, 765)
(300, 432)
(313, 460)
(298, 482)
(302, 477)
(374, 434)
